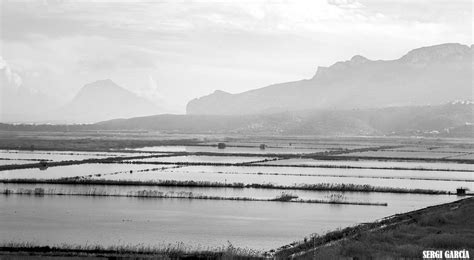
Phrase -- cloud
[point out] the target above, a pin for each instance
(9, 78)
(345, 3)
(341, 2)
(115, 60)
(152, 92)
(227, 44)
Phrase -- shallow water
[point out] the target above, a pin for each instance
(59, 155)
(401, 154)
(393, 199)
(108, 221)
(233, 174)
(115, 221)
(230, 149)
(334, 171)
(374, 163)
(74, 170)
(203, 159)
(466, 156)
(13, 161)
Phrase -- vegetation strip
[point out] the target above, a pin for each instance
(44, 163)
(246, 164)
(422, 151)
(154, 194)
(15, 159)
(163, 251)
(130, 160)
(332, 175)
(206, 184)
(327, 155)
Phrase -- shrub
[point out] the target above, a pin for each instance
(409, 251)
(336, 197)
(446, 241)
(435, 220)
(284, 196)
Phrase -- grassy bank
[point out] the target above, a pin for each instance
(206, 184)
(443, 227)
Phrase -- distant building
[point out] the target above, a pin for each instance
(461, 191)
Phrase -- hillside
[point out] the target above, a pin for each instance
(452, 119)
(428, 75)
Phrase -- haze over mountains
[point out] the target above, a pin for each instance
(452, 119)
(97, 101)
(428, 75)
(410, 95)
(103, 100)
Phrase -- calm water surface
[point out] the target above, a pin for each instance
(130, 221)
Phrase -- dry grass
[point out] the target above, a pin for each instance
(445, 227)
(340, 187)
(156, 194)
(162, 251)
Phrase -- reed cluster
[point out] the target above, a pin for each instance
(341, 187)
(156, 194)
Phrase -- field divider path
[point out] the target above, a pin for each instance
(458, 155)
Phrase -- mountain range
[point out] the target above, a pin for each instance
(429, 75)
(407, 96)
(452, 119)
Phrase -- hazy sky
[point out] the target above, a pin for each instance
(173, 51)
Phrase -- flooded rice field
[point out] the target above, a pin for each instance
(203, 159)
(288, 176)
(122, 221)
(16, 161)
(72, 171)
(55, 155)
(375, 164)
(394, 200)
(404, 154)
(235, 149)
(169, 194)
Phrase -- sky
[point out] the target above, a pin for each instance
(173, 51)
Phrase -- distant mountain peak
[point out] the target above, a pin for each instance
(102, 83)
(220, 92)
(104, 99)
(452, 51)
(428, 75)
(340, 67)
(358, 59)
(102, 88)
(321, 72)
